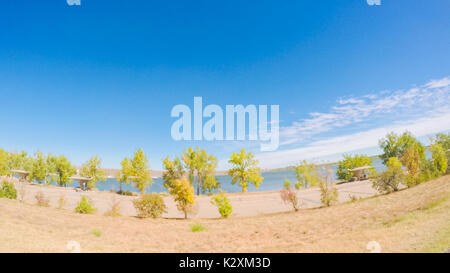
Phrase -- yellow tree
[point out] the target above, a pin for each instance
(245, 170)
(93, 170)
(183, 193)
(123, 176)
(411, 160)
(140, 171)
(306, 175)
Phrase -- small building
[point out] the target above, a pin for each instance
(22, 174)
(361, 173)
(82, 180)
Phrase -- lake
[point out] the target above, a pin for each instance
(272, 181)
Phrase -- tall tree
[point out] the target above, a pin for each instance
(394, 145)
(39, 169)
(174, 170)
(444, 141)
(306, 175)
(245, 170)
(92, 169)
(206, 168)
(140, 171)
(63, 170)
(201, 167)
(439, 158)
(183, 193)
(4, 163)
(123, 176)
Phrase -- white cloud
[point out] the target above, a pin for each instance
(357, 141)
(382, 106)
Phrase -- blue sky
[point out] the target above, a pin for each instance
(101, 78)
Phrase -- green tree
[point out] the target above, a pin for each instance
(245, 170)
(20, 161)
(206, 169)
(411, 159)
(39, 169)
(306, 175)
(174, 170)
(444, 140)
(350, 162)
(439, 158)
(140, 171)
(183, 193)
(92, 169)
(123, 176)
(394, 145)
(389, 180)
(63, 170)
(4, 163)
(201, 167)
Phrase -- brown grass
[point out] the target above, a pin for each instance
(411, 220)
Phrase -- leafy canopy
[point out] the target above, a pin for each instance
(245, 170)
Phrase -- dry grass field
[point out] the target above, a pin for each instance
(411, 220)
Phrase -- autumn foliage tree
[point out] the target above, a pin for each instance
(245, 170)
(92, 169)
(183, 193)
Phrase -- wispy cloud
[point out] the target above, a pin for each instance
(348, 111)
(421, 110)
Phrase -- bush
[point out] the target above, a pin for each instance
(85, 206)
(389, 180)
(290, 197)
(197, 227)
(126, 193)
(223, 204)
(150, 205)
(41, 200)
(8, 190)
(328, 193)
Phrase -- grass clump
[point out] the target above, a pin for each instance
(85, 206)
(96, 233)
(197, 227)
(41, 200)
(7, 190)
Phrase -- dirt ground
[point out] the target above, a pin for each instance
(248, 204)
(411, 220)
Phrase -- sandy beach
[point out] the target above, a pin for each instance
(248, 204)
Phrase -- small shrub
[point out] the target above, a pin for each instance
(7, 190)
(328, 191)
(96, 233)
(290, 197)
(150, 205)
(85, 206)
(197, 227)
(126, 193)
(41, 200)
(223, 204)
(62, 201)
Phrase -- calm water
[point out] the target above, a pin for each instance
(272, 181)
